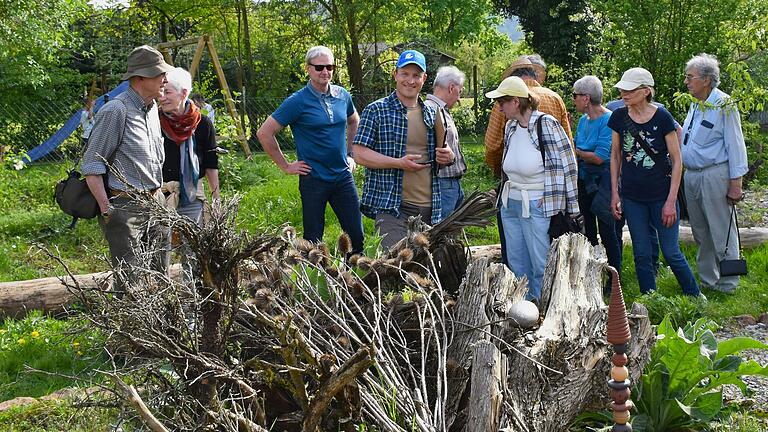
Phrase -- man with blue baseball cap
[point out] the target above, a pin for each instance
(396, 143)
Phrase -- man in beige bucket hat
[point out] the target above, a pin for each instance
(126, 138)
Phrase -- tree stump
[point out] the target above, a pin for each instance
(554, 371)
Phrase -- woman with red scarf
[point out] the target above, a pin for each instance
(190, 143)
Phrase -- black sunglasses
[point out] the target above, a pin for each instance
(319, 68)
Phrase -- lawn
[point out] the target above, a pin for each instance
(269, 200)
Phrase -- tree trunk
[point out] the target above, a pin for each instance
(553, 371)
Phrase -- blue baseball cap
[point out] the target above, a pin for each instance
(412, 57)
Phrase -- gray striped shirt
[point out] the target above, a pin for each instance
(451, 140)
(127, 134)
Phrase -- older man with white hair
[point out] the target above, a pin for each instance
(446, 91)
(715, 158)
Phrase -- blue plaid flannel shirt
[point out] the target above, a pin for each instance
(384, 128)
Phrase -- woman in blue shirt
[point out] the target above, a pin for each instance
(593, 150)
(646, 152)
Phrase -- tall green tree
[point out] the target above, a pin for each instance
(562, 31)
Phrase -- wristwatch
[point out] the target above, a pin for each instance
(108, 213)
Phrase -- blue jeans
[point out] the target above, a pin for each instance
(451, 194)
(342, 195)
(642, 218)
(527, 243)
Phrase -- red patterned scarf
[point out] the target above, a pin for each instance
(179, 127)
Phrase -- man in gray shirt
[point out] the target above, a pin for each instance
(126, 136)
(446, 92)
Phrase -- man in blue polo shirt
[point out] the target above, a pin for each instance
(320, 115)
(396, 143)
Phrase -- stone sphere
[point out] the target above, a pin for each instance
(523, 314)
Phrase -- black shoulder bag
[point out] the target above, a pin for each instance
(657, 158)
(561, 223)
(733, 267)
(73, 195)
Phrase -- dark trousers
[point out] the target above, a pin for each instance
(342, 196)
(594, 225)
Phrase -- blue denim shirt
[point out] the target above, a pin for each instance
(712, 135)
(384, 129)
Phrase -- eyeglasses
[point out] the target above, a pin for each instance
(578, 94)
(319, 68)
(690, 77)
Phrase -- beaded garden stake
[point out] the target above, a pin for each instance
(618, 336)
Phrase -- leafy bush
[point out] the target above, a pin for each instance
(465, 120)
(678, 309)
(681, 387)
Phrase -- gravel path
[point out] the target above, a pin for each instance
(758, 401)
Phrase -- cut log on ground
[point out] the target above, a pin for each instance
(750, 238)
(50, 294)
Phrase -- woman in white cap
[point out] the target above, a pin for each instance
(538, 181)
(645, 152)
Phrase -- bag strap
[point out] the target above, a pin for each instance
(650, 151)
(540, 135)
(119, 143)
(738, 234)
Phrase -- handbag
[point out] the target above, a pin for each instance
(601, 202)
(562, 222)
(733, 267)
(656, 156)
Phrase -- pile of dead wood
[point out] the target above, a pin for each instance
(271, 332)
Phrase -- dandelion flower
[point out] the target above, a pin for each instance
(21, 341)
(35, 334)
(75, 344)
(79, 353)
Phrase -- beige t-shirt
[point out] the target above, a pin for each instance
(417, 185)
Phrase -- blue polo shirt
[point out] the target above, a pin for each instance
(319, 125)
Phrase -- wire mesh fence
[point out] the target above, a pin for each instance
(49, 130)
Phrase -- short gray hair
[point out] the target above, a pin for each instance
(592, 86)
(180, 79)
(448, 75)
(707, 66)
(317, 51)
(537, 60)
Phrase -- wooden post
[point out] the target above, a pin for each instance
(227, 95)
(474, 84)
(198, 55)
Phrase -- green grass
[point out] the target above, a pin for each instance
(45, 344)
(59, 416)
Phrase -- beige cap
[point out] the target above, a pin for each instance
(147, 62)
(634, 78)
(511, 86)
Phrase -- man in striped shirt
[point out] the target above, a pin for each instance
(126, 138)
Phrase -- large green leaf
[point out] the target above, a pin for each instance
(683, 362)
(729, 363)
(705, 407)
(737, 344)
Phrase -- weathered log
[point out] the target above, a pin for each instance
(50, 294)
(750, 238)
(488, 383)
